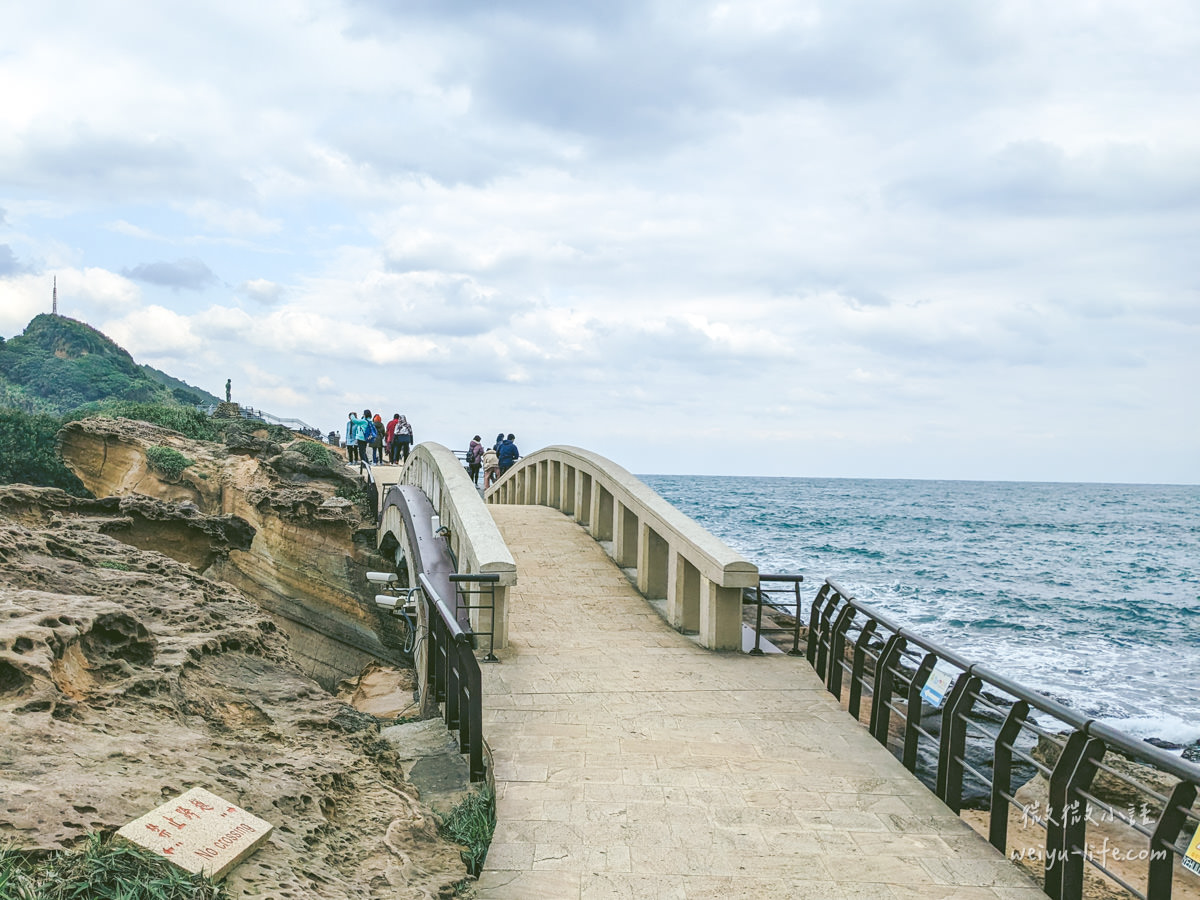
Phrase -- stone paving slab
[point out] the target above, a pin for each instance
(630, 762)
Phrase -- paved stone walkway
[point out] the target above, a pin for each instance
(630, 762)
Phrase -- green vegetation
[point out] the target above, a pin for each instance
(104, 870)
(58, 364)
(182, 391)
(60, 370)
(471, 824)
(356, 494)
(167, 460)
(187, 421)
(315, 453)
(29, 454)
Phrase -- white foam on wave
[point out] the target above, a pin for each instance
(1165, 726)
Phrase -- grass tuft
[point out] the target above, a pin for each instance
(471, 824)
(102, 869)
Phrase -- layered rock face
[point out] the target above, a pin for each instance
(127, 678)
(311, 548)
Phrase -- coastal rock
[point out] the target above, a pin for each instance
(181, 531)
(127, 678)
(312, 547)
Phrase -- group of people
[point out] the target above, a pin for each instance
(494, 460)
(369, 440)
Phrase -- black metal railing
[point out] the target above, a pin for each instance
(453, 676)
(948, 701)
(786, 606)
(371, 487)
(483, 588)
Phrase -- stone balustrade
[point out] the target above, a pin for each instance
(472, 535)
(672, 558)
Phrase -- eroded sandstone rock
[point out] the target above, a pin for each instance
(127, 678)
(311, 548)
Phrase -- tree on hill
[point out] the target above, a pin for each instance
(29, 452)
(58, 364)
(61, 367)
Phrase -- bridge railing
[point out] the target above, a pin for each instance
(674, 559)
(474, 540)
(453, 677)
(948, 702)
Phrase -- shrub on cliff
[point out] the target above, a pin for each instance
(315, 453)
(168, 461)
(29, 453)
(187, 421)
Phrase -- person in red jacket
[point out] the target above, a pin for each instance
(393, 445)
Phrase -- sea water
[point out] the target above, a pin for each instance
(1088, 593)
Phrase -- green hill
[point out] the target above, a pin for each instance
(59, 364)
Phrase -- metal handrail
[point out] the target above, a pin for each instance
(761, 598)
(887, 645)
(487, 583)
(364, 469)
(453, 676)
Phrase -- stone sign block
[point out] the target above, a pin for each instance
(199, 832)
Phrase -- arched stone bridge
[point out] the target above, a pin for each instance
(629, 757)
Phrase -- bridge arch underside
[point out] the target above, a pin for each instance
(694, 578)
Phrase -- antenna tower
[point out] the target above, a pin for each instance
(54, 308)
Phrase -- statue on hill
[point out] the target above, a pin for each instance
(228, 388)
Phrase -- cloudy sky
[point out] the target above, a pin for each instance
(829, 238)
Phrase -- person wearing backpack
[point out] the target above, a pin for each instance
(474, 455)
(404, 435)
(362, 434)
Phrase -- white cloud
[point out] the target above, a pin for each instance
(626, 221)
(261, 290)
(153, 333)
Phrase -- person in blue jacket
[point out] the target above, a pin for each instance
(351, 443)
(360, 429)
(508, 453)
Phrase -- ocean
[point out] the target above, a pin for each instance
(1088, 593)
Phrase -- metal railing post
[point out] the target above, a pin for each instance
(859, 666)
(1162, 842)
(880, 709)
(1002, 754)
(814, 621)
(912, 716)
(1061, 803)
(953, 744)
(795, 651)
(757, 650)
(823, 629)
(833, 681)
